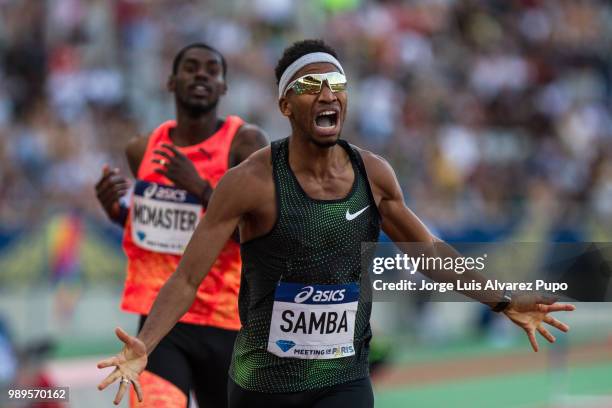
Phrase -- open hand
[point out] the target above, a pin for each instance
(129, 363)
(530, 313)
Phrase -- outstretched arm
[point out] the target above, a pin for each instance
(229, 202)
(402, 226)
(406, 229)
(179, 292)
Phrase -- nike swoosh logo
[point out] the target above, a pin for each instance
(350, 216)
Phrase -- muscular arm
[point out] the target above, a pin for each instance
(234, 196)
(134, 153)
(397, 220)
(405, 228)
(247, 141)
(528, 312)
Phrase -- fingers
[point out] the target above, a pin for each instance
(161, 162)
(532, 339)
(123, 336)
(557, 307)
(176, 153)
(110, 183)
(546, 334)
(109, 193)
(173, 149)
(113, 361)
(106, 173)
(556, 323)
(164, 154)
(138, 390)
(165, 162)
(111, 378)
(123, 386)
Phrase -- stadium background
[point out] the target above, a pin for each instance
(496, 116)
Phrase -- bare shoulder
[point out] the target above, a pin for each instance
(247, 140)
(249, 182)
(380, 174)
(257, 166)
(135, 151)
(249, 132)
(376, 165)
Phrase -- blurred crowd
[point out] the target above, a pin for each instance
(491, 112)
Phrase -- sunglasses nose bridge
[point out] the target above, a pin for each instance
(326, 91)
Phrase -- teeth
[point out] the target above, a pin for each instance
(327, 113)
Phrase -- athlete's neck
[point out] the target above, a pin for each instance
(320, 162)
(191, 130)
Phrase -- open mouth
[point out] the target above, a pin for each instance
(200, 90)
(327, 119)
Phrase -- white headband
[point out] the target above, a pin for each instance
(300, 63)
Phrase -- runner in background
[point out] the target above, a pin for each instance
(176, 169)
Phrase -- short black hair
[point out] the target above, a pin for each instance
(299, 49)
(179, 56)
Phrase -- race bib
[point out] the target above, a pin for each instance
(313, 321)
(163, 217)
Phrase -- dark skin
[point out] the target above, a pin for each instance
(197, 87)
(323, 173)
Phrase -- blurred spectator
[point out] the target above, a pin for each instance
(8, 357)
(484, 108)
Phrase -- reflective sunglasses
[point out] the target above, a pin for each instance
(313, 83)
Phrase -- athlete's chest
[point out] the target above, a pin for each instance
(320, 225)
(334, 186)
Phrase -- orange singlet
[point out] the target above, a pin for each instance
(160, 222)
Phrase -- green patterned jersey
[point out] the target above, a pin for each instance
(304, 302)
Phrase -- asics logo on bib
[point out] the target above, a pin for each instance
(319, 295)
(313, 321)
(150, 190)
(304, 294)
(164, 193)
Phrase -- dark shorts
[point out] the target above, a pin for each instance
(196, 358)
(353, 394)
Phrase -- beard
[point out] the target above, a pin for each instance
(195, 110)
(324, 145)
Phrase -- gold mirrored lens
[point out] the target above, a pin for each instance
(339, 87)
(312, 87)
(311, 83)
(336, 78)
